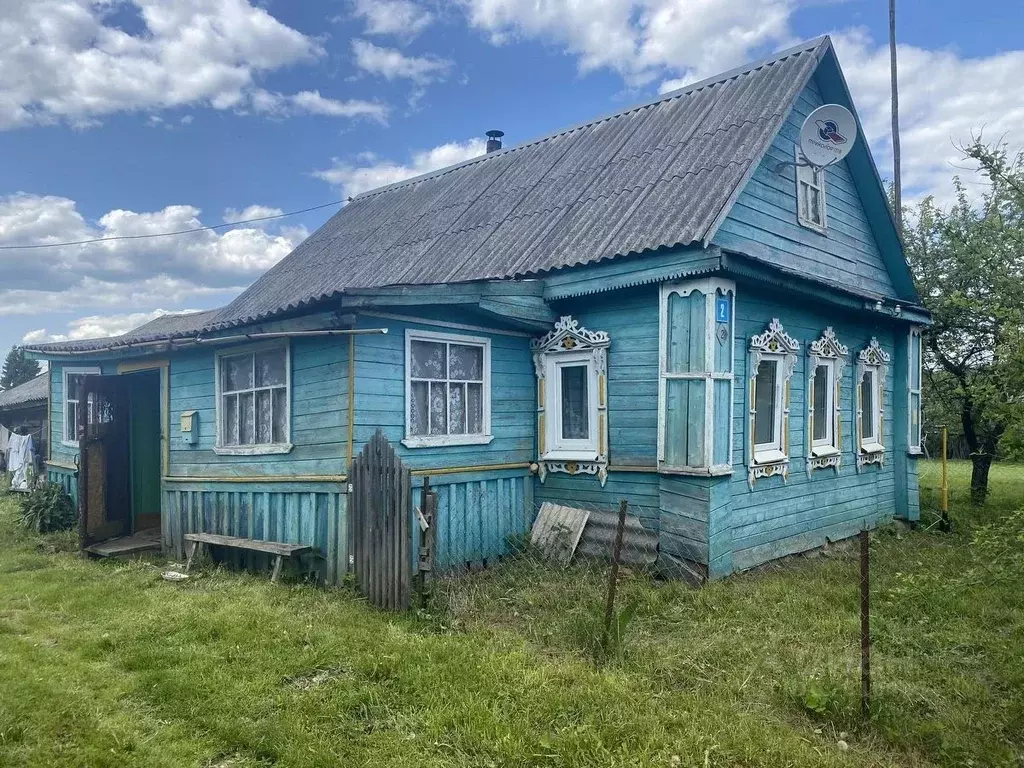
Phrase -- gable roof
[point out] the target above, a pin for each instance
(169, 326)
(655, 176)
(32, 392)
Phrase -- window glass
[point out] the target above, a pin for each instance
(445, 388)
(867, 404)
(575, 403)
(254, 398)
(764, 402)
(821, 414)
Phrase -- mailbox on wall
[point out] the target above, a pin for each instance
(190, 427)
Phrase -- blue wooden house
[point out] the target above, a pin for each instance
(660, 305)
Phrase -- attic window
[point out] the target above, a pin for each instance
(810, 194)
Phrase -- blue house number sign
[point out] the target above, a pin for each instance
(722, 309)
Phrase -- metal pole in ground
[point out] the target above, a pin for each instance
(613, 575)
(865, 627)
(945, 480)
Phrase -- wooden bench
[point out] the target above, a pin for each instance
(196, 542)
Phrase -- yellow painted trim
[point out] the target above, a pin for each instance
(540, 393)
(61, 465)
(540, 434)
(601, 434)
(464, 470)
(134, 366)
(602, 390)
(351, 399)
(259, 479)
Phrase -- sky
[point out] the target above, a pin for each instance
(123, 117)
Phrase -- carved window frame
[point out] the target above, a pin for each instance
(874, 360)
(829, 352)
(773, 344)
(712, 289)
(569, 343)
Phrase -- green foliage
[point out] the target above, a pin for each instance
(966, 262)
(47, 509)
(17, 369)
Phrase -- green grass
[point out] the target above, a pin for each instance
(1006, 491)
(106, 664)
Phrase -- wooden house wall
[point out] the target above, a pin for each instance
(630, 317)
(763, 223)
(778, 518)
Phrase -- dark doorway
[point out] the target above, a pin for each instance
(144, 448)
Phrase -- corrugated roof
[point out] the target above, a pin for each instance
(653, 176)
(658, 175)
(29, 393)
(168, 326)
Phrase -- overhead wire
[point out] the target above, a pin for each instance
(212, 227)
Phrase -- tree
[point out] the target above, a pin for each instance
(17, 369)
(967, 267)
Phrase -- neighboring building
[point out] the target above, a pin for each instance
(23, 410)
(653, 305)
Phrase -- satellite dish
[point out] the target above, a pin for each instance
(827, 135)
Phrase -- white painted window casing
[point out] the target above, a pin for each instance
(253, 410)
(572, 404)
(826, 359)
(71, 377)
(696, 381)
(869, 396)
(810, 195)
(771, 362)
(447, 389)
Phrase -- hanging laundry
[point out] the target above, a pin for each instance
(20, 460)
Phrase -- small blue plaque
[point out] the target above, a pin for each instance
(723, 309)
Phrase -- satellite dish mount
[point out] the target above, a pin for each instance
(826, 137)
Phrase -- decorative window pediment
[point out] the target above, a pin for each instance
(872, 367)
(772, 362)
(826, 359)
(572, 400)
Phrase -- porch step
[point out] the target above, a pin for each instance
(140, 541)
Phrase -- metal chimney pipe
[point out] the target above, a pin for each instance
(494, 141)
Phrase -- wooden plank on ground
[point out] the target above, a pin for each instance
(557, 531)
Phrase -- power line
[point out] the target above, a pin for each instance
(168, 234)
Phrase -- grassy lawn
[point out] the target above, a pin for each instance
(106, 664)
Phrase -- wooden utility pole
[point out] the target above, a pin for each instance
(897, 185)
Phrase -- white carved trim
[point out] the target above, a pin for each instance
(776, 343)
(569, 338)
(827, 347)
(872, 356)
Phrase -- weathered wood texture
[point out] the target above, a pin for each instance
(255, 545)
(380, 533)
(763, 222)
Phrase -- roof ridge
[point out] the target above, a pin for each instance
(743, 69)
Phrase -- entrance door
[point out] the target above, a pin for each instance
(144, 429)
(104, 502)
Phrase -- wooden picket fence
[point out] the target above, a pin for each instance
(380, 509)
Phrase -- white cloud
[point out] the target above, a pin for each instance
(641, 39)
(231, 215)
(394, 65)
(311, 102)
(97, 326)
(373, 172)
(125, 273)
(67, 60)
(943, 99)
(397, 18)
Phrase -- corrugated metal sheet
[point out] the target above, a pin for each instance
(639, 544)
(654, 176)
(34, 391)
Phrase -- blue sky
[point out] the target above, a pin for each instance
(124, 117)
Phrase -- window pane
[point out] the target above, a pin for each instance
(915, 420)
(475, 409)
(466, 362)
(764, 402)
(74, 380)
(686, 332)
(237, 373)
(438, 409)
(803, 194)
(247, 413)
(815, 205)
(575, 410)
(428, 360)
(418, 408)
(264, 427)
(271, 368)
(71, 422)
(684, 422)
(280, 431)
(915, 361)
(230, 436)
(456, 408)
(820, 425)
(867, 404)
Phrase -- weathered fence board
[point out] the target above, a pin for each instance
(379, 524)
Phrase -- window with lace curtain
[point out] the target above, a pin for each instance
(253, 400)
